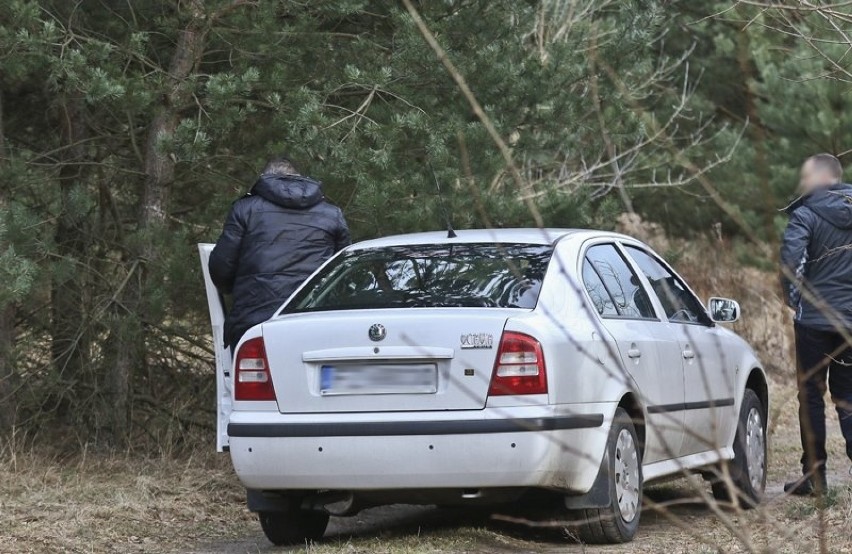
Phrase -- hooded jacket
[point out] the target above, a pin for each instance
(274, 238)
(817, 251)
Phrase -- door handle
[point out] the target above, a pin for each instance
(634, 353)
(688, 354)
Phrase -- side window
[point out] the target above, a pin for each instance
(603, 302)
(678, 302)
(631, 300)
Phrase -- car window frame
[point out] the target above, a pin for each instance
(655, 299)
(642, 281)
(583, 261)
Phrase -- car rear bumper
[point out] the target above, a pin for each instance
(553, 447)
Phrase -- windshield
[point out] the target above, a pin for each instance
(428, 276)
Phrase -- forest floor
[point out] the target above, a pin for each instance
(97, 503)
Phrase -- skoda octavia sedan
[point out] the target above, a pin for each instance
(476, 368)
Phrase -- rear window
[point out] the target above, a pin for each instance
(428, 276)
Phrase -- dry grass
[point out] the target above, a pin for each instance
(97, 503)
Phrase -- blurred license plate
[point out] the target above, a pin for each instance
(379, 379)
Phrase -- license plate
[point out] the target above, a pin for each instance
(379, 379)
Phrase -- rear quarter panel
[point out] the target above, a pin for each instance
(581, 368)
(581, 371)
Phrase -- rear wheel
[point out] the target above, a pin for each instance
(293, 526)
(617, 522)
(748, 468)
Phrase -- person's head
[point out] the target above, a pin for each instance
(819, 171)
(280, 166)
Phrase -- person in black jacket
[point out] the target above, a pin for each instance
(274, 238)
(816, 276)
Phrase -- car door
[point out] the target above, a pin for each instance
(216, 307)
(709, 372)
(640, 339)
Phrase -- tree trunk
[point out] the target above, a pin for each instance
(160, 166)
(67, 313)
(7, 323)
(69, 334)
(159, 175)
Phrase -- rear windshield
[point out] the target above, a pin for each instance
(428, 276)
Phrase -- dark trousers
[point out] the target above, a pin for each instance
(824, 361)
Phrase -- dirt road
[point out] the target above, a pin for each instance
(674, 521)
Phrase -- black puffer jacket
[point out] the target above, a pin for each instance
(274, 238)
(817, 249)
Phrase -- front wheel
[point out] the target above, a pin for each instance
(617, 522)
(748, 468)
(294, 526)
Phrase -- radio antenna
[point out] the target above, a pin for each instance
(451, 234)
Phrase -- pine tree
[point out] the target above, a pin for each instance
(168, 110)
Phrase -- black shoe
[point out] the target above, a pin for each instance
(807, 486)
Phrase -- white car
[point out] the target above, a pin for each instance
(469, 370)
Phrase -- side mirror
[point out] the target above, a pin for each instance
(723, 310)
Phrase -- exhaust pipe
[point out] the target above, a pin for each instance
(336, 503)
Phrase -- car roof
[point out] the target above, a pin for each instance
(547, 236)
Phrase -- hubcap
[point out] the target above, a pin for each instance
(755, 449)
(627, 475)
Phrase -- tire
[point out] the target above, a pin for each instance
(748, 468)
(617, 522)
(294, 526)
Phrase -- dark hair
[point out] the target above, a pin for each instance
(280, 166)
(829, 163)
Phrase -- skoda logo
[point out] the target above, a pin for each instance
(377, 332)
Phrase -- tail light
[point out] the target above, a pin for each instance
(519, 368)
(253, 381)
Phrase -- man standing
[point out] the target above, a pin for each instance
(274, 238)
(816, 266)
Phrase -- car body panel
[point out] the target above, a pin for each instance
(528, 456)
(310, 441)
(711, 387)
(300, 346)
(656, 371)
(710, 372)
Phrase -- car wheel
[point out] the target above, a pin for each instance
(748, 468)
(293, 526)
(617, 522)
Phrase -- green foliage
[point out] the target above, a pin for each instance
(17, 274)
(768, 93)
(354, 94)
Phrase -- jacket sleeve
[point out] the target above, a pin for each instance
(794, 254)
(342, 238)
(226, 253)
